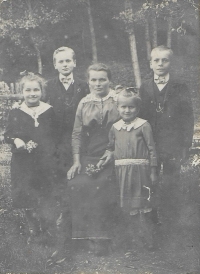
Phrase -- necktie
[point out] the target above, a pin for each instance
(160, 80)
(66, 81)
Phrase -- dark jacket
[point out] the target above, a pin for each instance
(57, 96)
(173, 128)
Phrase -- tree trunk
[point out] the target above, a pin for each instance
(133, 49)
(154, 25)
(134, 58)
(92, 32)
(169, 33)
(39, 59)
(38, 54)
(147, 39)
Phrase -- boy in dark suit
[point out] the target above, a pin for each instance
(64, 93)
(166, 104)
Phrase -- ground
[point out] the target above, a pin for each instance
(178, 250)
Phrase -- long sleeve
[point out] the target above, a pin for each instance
(77, 131)
(187, 116)
(13, 129)
(148, 137)
(111, 136)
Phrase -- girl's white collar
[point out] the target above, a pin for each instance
(138, 122)
(36, 112)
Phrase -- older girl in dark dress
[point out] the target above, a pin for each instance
(31, 131)
(93, 198)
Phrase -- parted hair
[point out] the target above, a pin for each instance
(99, 67)
(162, 48)
(65, 49)
(130, 95)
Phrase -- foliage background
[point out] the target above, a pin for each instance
(30, 31)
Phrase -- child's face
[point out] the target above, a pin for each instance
(160, 62)
(32, 93)
(127, 109)
(64, 62)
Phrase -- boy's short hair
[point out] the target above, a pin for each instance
(125, 93)
(30, 76)
(99, 67)
(66, 49)
(162, 48)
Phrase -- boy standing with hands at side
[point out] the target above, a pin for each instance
(64, 93)
(166, 104)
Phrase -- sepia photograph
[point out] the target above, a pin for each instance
(99, 137)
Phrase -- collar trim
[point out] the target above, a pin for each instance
(156, 77)
(138, 122)
(91, 97)
(70, 77)
(36, 112)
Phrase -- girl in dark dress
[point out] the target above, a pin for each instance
(31, 131)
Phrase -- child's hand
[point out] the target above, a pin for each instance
(19, 143)
(100, 164)
(106, 159)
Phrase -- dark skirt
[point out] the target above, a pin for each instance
(93, 202)
(32, 178)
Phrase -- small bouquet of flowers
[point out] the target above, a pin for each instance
(92, 170)
(30, 146)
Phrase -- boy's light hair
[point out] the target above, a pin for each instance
(131, 95)
(99, 67)
(162, 48)
(30, 76)
(64, 49)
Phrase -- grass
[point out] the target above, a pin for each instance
(179, 250)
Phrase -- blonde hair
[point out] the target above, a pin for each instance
(125, 93)
(162, 48)
(63, 49)
(30, 76)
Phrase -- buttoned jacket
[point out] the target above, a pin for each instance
(177, 114)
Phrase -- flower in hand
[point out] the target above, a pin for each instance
(92, 170)
(30, 146)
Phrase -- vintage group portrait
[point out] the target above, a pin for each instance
(99, 137)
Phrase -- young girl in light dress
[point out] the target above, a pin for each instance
(135, 163)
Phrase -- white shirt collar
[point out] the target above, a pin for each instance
(166, 77)
(138, 122)
(69, 77)
(36, 112)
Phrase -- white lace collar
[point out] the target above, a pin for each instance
(36, 112)
(92, 97)
(138, 122)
